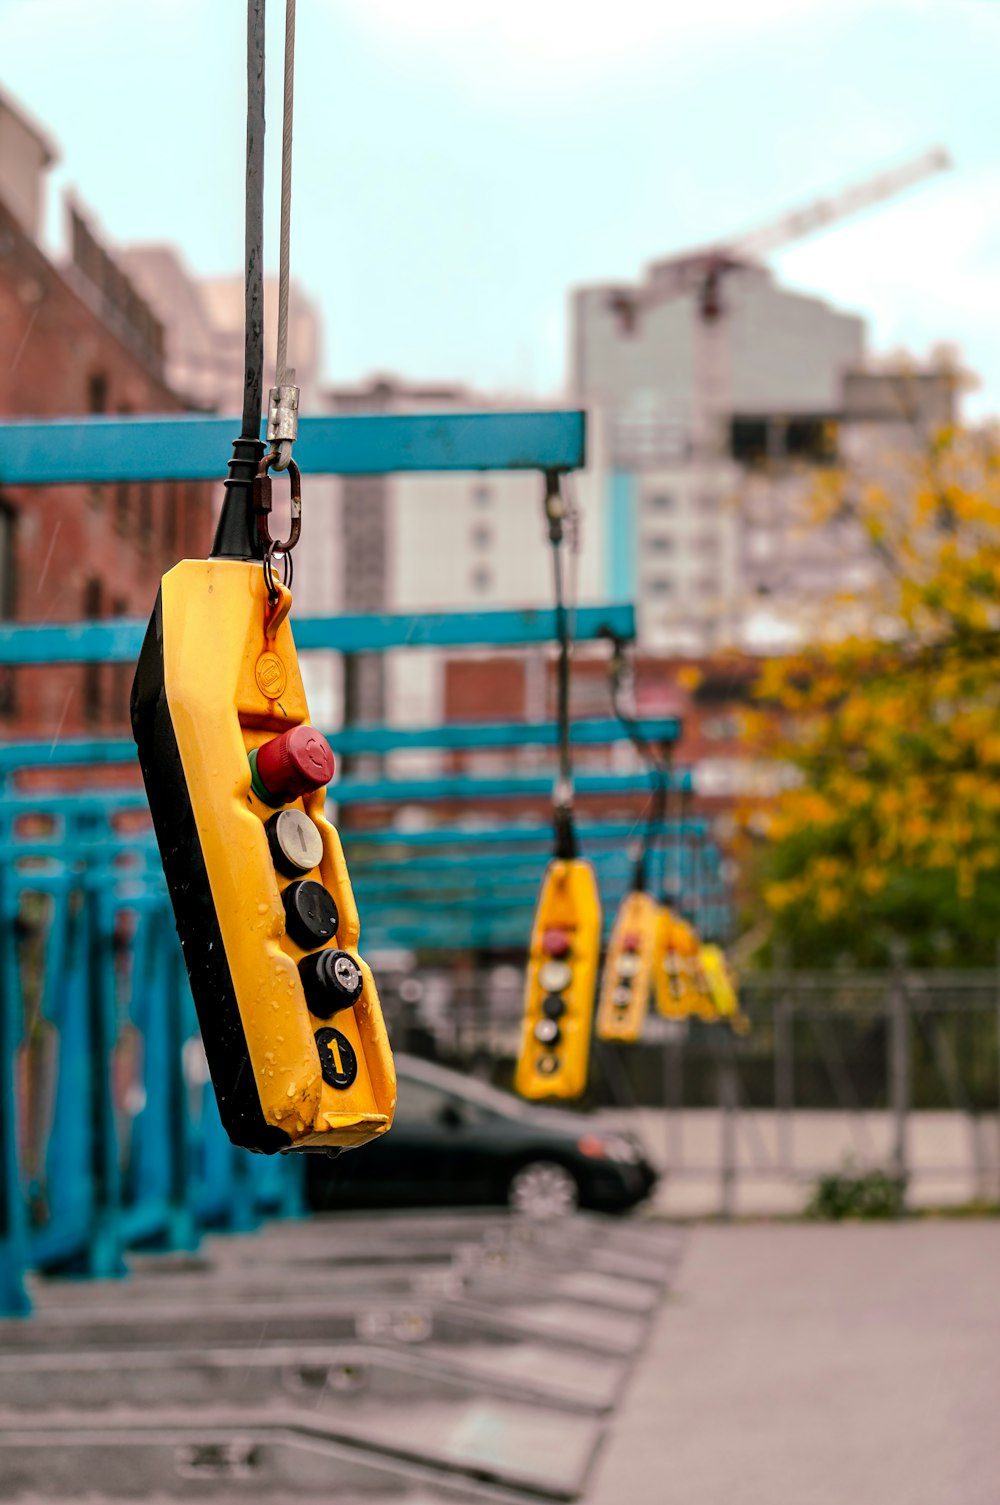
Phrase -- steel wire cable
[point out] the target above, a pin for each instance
(253, 383)
(282, 373)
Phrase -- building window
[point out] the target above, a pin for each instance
(189, 522)
(482, 536)
(659, 585)
(144, 519)
(661, 502)
(749, 440)
(8, 599)
(8, 575)
(659, 543)
(97, 392)
(481, 579)
(121, 674)
(705, 544)
(123, 507)
(482, 495)
(93, 680)
(724, 728)
(171, 502)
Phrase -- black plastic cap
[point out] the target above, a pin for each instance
(236, 535)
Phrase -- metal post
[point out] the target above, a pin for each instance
(13, 1254)
(998, 1069)
(728, 1107)
(899, 1066)
(674, 1036)
(784, 1078)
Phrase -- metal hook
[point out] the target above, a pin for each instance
(262, 505)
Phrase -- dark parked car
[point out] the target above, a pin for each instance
(458, 1141)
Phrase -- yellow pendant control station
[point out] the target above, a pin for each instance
(681, 991)
(628, 969)
(721, 987)
(559, 994)
(236, 778)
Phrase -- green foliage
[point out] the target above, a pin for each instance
(857, 1194)
(888, 723)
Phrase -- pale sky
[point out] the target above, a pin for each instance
(461, 164)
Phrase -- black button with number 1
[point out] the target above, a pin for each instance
(337, 1060)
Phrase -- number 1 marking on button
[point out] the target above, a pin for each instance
(338, 1060)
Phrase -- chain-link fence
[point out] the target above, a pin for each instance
(841, 1073)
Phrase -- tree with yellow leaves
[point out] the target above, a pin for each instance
(888, 830)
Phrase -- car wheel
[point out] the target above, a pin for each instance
(543, 1189)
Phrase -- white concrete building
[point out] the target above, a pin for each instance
(714, 425)
(447, 542)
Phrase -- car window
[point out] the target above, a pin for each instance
(418, 1103)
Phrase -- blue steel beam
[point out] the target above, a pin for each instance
(493, 932)
(196, 447)
(508, 787)
(393, 791)
(457, 735)
(515, 889)
(489, 863)
(462, 735)
(515, 835)
(118, 641)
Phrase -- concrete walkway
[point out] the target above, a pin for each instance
(818, 1365)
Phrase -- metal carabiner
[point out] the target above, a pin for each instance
(262, 505)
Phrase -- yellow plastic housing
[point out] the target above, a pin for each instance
(231, 686)
(569, 903)
(628, 969)
(721, 987)
(681, 988)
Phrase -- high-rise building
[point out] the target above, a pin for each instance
(693, 400)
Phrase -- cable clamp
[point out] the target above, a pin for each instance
(282, 423)
(555, 506)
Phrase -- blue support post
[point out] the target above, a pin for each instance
(13, 1251)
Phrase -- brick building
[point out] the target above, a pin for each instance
(77, 339)
(707, 694)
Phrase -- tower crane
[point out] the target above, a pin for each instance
(702, 273)
(703, 270)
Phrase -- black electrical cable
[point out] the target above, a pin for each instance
(675, 895)
(656, 766)
(253, 329)
(565, 831)
(236, 535)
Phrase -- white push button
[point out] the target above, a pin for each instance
(553, 976)
(295, 841)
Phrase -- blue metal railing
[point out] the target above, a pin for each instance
(105, 1093)
(109, 1133)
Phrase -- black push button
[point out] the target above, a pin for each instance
(310, 914)
(337, 1059)
(553, 1007)
(332, 981)
(295, 841)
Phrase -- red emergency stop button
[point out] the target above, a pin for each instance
(556, 942)
(291, 765)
